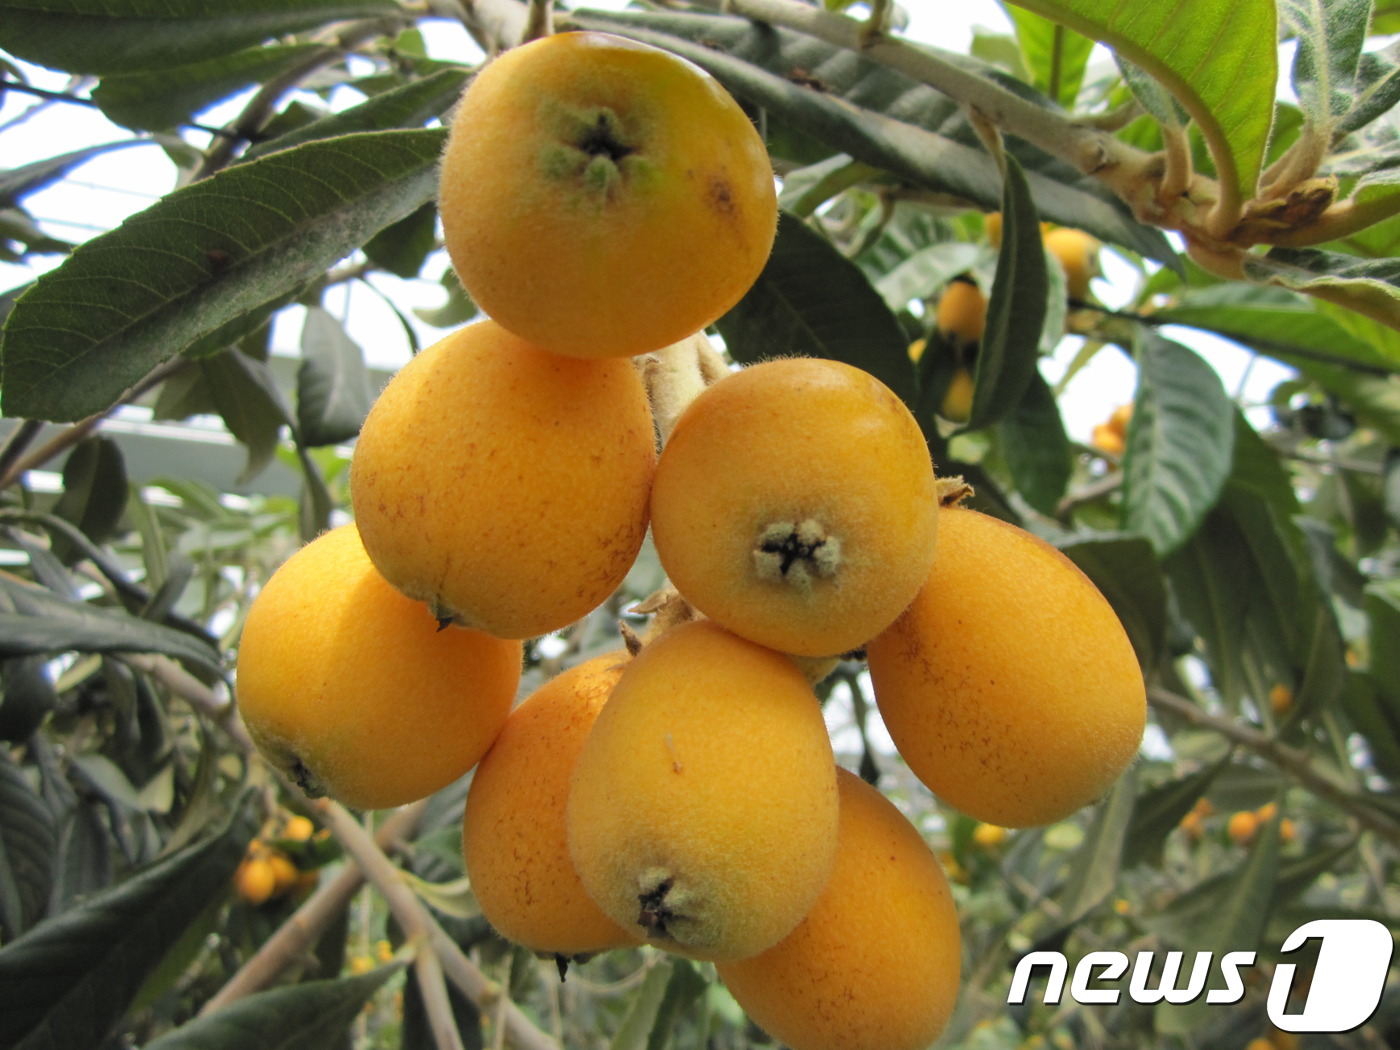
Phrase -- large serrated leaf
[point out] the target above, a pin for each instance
(812, 301)
(313, 1015)
(931, 144)
(167, 97)
(200, 259)
(1219, 60)
(28, 849)
(1179, 443)
(123, 36)
(44, 624)
(70, 979)
(1010, 347)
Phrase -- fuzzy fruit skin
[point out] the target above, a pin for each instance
(514, 835)
(703, 807)
(609, 239)
(962, 312)
(875, 964)
(505, 486)
(797, 441)
(352, 690)
(1009, 685)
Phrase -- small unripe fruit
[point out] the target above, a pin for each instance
(601, 197)
(505, 486)
(353, 691)
(795, 504)
(1280, 700)
(875, 964)
(1009, 685)
(514, 834)
(703, 808)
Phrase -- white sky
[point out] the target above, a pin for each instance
(98, 195)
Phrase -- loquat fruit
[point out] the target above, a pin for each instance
(352, 690)
(1242, 827)
(961, 316)
(795, 504)
(875, 964)
(703, 807)
(956, 406)
(505, 486)
(1078, 255)
(514, 833)
(601, 197)
(1008, 685)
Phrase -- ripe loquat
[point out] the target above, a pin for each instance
(514, 833)
(1078, 255)
(1009, 685)
(505, 486)
(875, 964)
(703, 807)
(601, 197)
(795, 504)
(352, 690)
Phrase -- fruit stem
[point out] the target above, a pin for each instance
(539, 21)
(675, 375)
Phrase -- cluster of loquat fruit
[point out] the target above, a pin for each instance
(681, 791)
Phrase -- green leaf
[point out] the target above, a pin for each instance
(170, 96)
(1094, 867)
(812, 301)
(1056, 57)
(1375, 712)
(245, 395)
(1371, 287)
(1330, 36)
(28, 849)
(1377, 88)
(206, 255)
(932, 144)
(1158, 811)
(1219, 60)
(1211, 585)
(926, 270)
(333, 388)
(313, 1015)
(70, 979)
(1010, 348)
(417, 1030)
(43, 624)
(1225, 913)
(409, 106)
(1128, 575)
(1036, 447)
(124, 36)
(403, 247)
(94, 493)
(685, 986)
(1179, 443)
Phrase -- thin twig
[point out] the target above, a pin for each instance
(1293, 761)
(417, 922)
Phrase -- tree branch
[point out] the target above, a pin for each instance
(1293, 761)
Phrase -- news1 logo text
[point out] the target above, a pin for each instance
(1345, 990)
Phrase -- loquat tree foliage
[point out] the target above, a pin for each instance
(163, 885)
